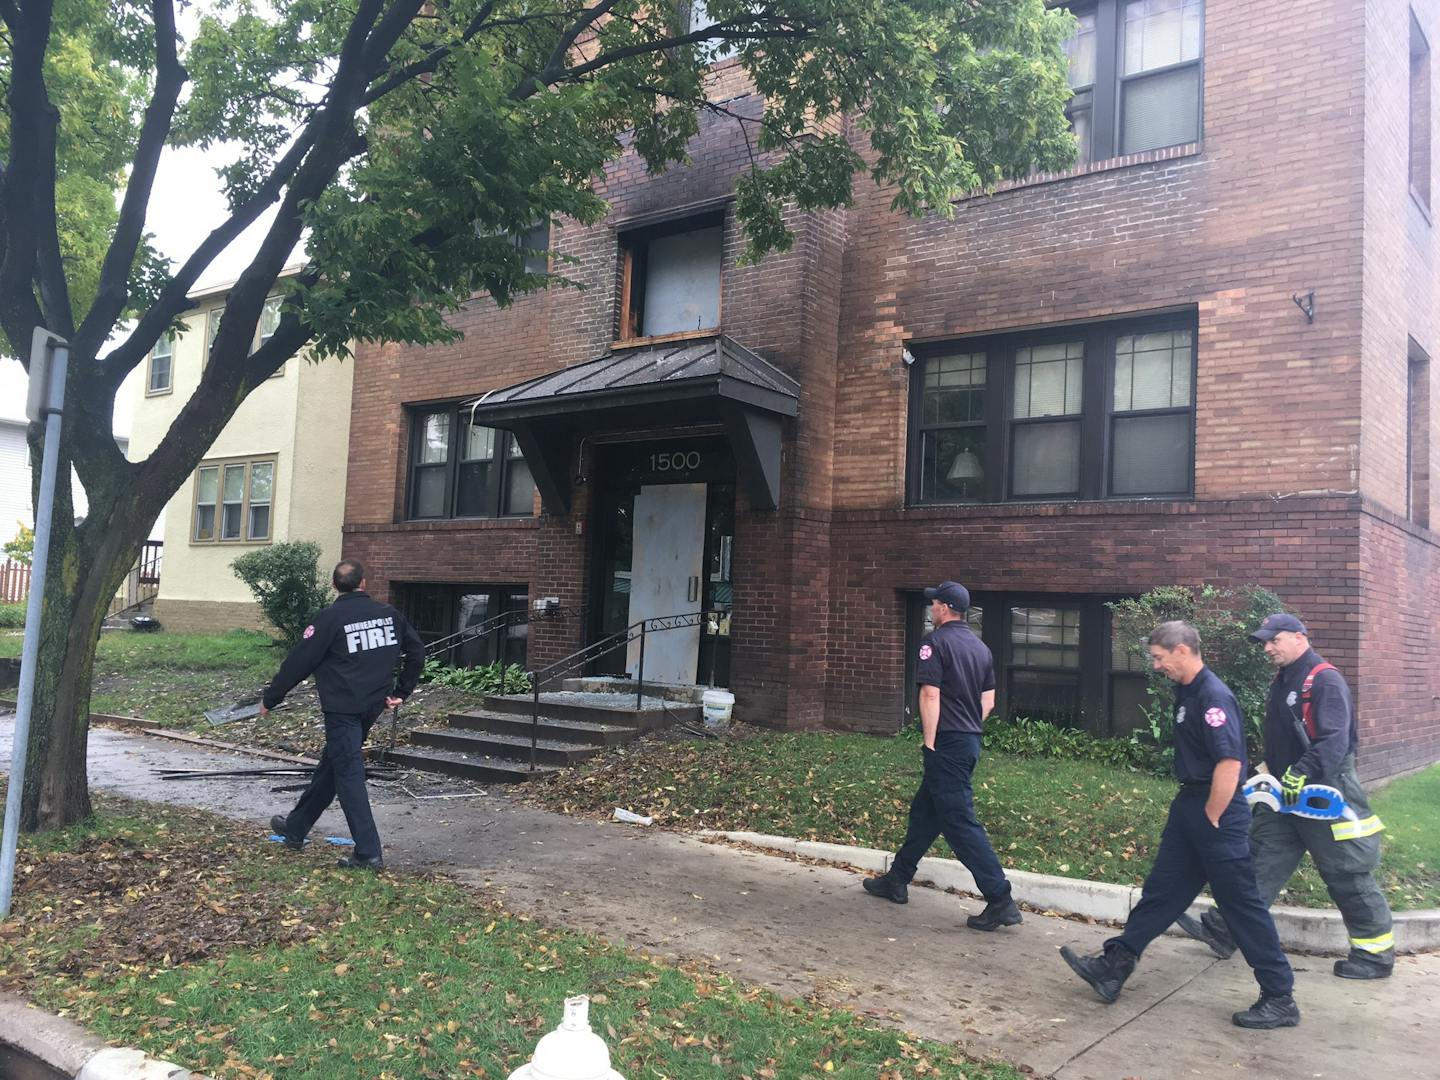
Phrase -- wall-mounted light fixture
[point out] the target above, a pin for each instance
(907, 357)
(1306, 303)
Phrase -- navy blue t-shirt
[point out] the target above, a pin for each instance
(1208, 729)
(959, 663)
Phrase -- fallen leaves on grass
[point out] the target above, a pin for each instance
(113, 904)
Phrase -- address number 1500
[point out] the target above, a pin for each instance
(679, 461)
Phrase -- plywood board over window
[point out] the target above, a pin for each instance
(670, 277)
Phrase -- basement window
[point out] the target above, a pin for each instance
(670, 277)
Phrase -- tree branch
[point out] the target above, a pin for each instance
(112, 293)
(30, 109)
(555, 65)
(49, 267)
(10, 15)
(614, 56)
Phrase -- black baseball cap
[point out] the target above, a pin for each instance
(1278, 624)
(951, 593)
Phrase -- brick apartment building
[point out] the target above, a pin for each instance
(1202, 355)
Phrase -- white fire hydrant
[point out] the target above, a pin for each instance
(572, 1051)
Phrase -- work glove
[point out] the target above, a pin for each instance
(1290, 785)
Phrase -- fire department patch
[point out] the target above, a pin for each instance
(1215, 717)
(926, 652)
(309, 631)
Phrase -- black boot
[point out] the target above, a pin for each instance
(360, 862)
(997, 913)
(1362, 965)
(1210, 929)
(887, 888)
(279, 827)
(1271, 1011)
(1105, 973)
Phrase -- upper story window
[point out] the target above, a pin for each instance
(696, 16)
(1135, 70)
(670, 277)
(264, 329)
(1104, 410)
(233, 501)
(534, 245)
(1419, 113)
(464, 470)
(158, 379)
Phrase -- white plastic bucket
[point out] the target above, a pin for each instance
(716, 705)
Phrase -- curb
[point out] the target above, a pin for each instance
(1312, 930)
(65, 1047)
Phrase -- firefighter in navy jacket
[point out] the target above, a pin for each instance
(1204, 841)
(1311, 738)
(352, 648)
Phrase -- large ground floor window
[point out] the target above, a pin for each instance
(438, 611)
(1056, 659)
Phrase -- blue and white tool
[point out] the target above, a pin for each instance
(338, 841)
(1319, 802)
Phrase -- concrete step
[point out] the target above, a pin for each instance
(565, 731)
(490, 770)
(684, 693)
(653, 714)
(517, 747)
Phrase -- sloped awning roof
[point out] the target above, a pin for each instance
(694, 381)
(709, 367)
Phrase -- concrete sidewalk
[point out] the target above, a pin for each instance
(802, 929)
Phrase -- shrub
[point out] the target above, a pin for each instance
(22, 548)
(1224, 618)
(12, 616)
(287, 585)
(493, 678)
(1038, 739)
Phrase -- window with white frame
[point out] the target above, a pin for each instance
(234, 501)
(264, 329)
(159, 379)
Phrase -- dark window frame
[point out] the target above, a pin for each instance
(1105, 98)
(1419, 145)
(1096, 674)
(498, 499)
(1096, 418)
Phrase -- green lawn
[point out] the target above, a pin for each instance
(173, 678)
(1077, 819)
(176, 932)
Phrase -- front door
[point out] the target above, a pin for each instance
(665, 577)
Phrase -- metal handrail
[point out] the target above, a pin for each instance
(604, 647)
(514, 617)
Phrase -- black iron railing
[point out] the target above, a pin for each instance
(605, 646)
(496, 625)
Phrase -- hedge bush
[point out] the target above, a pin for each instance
(287, 585)
(12, 616)
(1224, 619)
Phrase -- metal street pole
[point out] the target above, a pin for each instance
(49, 356)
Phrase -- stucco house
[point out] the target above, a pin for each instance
(276, 472)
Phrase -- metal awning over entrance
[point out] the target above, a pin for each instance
(679, 384)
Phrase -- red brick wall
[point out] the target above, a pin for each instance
(1298, 425)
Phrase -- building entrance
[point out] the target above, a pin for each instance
(664, 540)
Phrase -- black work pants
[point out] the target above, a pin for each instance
(945, 804)
(1192, 853)
(341, 772)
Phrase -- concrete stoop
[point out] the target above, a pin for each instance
(1311, 930)
(35, 1043)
